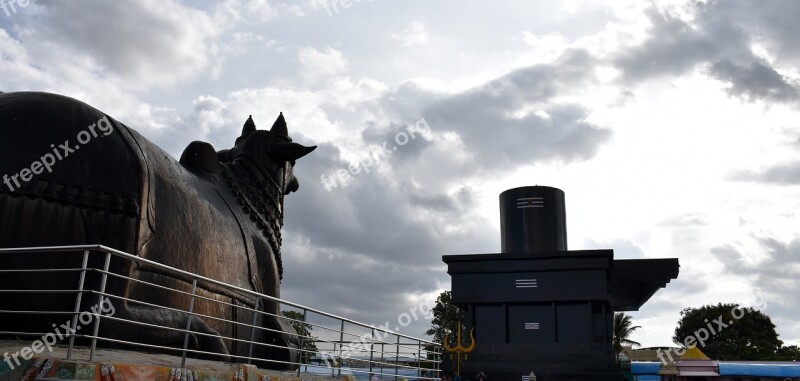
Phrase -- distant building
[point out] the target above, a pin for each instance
(653, 364)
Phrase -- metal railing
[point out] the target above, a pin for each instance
(328, 343)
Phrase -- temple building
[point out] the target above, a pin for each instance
(539, 310)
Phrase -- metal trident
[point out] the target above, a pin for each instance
(459, 349)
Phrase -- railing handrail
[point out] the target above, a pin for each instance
(106, 249)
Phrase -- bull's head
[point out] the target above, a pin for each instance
(272, 151)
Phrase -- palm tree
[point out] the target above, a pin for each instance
(623, 328)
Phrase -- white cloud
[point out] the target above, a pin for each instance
(545, 48)
(249, 11)
(321, 65)
(415, 34)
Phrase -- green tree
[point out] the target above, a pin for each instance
(790, 353)
(445, 318)
(623, 328)
(444, 322)
(303, 329)
(728, 332)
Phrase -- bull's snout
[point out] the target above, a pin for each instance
(293, 185)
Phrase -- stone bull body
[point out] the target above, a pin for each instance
(215, 214)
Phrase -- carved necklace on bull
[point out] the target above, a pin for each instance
(256, 189)
(261, 199)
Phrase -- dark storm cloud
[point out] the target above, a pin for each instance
(754, 81)
(769, 22)
(438, 202)
(499, 141)
(362, 250)
(673, 47)
(720, 39)
(483, 117)
(780, 174)
(776, 264)
(409, 139)
(361, 289)
(774, 275)
(730, 257)
(375, 217)
(509, 121)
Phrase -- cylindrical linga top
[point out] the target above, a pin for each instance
(533, 219)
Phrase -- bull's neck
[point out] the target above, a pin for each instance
(260, 197)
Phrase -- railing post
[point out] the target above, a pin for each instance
(253, 330)
(382, 358)
(302, 343)
(438, 354)
(397, 358)
(78, 303)
(419, 358)
(333, 361)
(99, 303)
(341, 347)
(371, 351)
(188, 323)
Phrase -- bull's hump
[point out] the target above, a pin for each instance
(201, 159)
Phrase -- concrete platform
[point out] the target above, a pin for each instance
(121, 365)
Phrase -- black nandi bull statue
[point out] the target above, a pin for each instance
(216, 214)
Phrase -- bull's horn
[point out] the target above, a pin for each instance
(279, 127)
(249, 126)
(290, 151)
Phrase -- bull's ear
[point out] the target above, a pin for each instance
(290, 151)
(249, 126)
(279, 127)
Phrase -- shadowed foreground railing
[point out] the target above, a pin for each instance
(330, 344)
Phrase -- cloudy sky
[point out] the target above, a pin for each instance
(673, 127)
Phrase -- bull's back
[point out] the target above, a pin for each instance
(66, 181)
